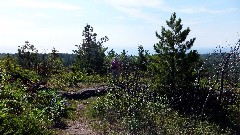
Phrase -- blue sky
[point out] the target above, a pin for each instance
(127, 23)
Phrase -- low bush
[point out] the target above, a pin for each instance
(27, 106)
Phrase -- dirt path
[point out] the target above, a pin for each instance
(80, 125)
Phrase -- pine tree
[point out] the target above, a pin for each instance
(177, 65)
(142, 58)
(90, 53)
(28, 56)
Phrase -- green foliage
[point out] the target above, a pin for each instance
(172, 49)
(90, 53)
(50, 64)
(163, 100)
(55, 62)
(131, 105)
(28, 56)
(23, 124)
(108, 59)
(165, 93)
(127, 60)
(174, 66)
(25, 106)
(219, 75)
(112, 54)
(136, 109)
(142, 58)
(67, 79)
(11, 72)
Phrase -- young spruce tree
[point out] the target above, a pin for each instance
(177, 63)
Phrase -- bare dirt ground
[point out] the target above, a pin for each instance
(79, 126)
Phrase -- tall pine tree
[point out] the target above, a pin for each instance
(176, 61)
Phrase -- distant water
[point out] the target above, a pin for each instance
(204, 50)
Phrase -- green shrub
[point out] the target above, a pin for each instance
(131, 104)
(26, 107)
(22, 125)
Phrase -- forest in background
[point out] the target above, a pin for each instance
(67, 59)
(173, 91)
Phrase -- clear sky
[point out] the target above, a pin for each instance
(127, 23)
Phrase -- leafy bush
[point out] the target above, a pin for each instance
(26, 106)
(68, 79)
(219, 78)
(139, 109)
(142, 112)
(23, 124)
(131, 103)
